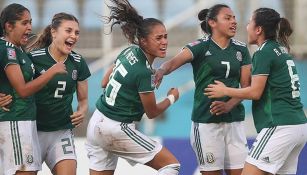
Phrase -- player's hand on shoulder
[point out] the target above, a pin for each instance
(159, 73)
(59, 68)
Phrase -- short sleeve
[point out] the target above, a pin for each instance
(246, 58)
(196, 48)
(84, 71)
(261, 63)
(8, 56)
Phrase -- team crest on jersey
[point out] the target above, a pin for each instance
(11, 54)
(239, 56)
(74, 74)
(210, 157)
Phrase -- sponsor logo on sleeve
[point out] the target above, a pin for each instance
(11, 54)
(194, 43)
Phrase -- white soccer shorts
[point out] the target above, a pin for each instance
(276, 149)
(19, 147)
(108, 139)
(56, 146)
(219, 146)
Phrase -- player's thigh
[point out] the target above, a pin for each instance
(26, 173)
(208, 143)
(162, 159)
(250, 169)
(236, 146)
(65, 167)
(106, 172)
(19, 147)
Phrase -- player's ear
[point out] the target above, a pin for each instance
(143, 42)
(212, 23)
(259, 30)
(8, 26)
(52, 31)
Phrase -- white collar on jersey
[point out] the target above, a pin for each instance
(53, 57)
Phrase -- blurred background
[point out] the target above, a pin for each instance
(100, 47)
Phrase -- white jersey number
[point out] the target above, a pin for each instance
(227, 68)
(62, 87)
(294, 79)
(115, 85)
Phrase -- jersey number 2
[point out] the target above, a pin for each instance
(115, 85)
(62, 87)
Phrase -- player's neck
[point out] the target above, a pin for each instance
(56, 54)
(11, 40)
(221, 41)
(260, 40)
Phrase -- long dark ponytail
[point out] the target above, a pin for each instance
(284, 32)
(133, 25)
(209, 14)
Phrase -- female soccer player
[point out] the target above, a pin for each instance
(278, 113)
(217, 133)
(55, 117)
(129, 93)
(19, 147)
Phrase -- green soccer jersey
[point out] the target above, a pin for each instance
(54, 101)
(21, 109)
(280, 102)
(131, 75)
(211, 62)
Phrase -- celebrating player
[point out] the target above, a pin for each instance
(277, 111)
(217, 133)
(129, 93)
(19, 148)
(55, 116)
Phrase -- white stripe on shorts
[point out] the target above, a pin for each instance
(16, 143)
(198, 145)
(255, 152)
(138, 139)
